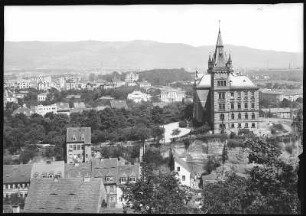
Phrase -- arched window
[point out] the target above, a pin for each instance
(239, 115)
(253, 115)
(233, 116)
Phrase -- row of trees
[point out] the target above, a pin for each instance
(139, 123)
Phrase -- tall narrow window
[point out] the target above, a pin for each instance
(233, 116)
(232, 106)
(238, 95)
(221, 116)
(245, 105)
(246, 116)
(239, 115)
(232, 95)
(253, 105)
(239, 105)
(253, 125)
(246, 125)
(239, 125)
(253, 115)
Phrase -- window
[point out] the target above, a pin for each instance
(74, 147)
(239, 95)
(239, 105)
(239, 115)
(252, 94)
(253, 125)
(246, 105)
(221, 106)
(178, 169)
(221, 83)
(221, 126)
(74, 138)
(232, 125)
(246, 116)
(239, 125)
(221, 95)
(183, 178)
(232, 106)
(111, 199)
(82, 137)
(123, 179)
(253, 105)
(109, 179)
(233, 116)
(246, 125)
(232, 95)
(253, 115)
(78, 147)
(221, 116)
(245, 95)
(132, 179)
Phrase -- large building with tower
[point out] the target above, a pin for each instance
(225, 100)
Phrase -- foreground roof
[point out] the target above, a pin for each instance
(64, 196)
(17, 173)
(54, 167)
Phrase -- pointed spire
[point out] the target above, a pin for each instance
(229, 57)
(219, 39)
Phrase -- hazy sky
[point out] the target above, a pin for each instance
(271, 27)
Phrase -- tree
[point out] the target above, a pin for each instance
(155, 193)
(28, 154)
(176, 132)
(157, 133)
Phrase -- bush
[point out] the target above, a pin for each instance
(233, 143)
(278, 127)
(176, 132)
(182, 124)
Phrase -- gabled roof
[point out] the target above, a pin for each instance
(17, 173)
(80, 171)
(62, 106)
(180, 161)
(81, 134)
(64, 196)
(26, 111)
(53, 167)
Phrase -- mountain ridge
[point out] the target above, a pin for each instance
(136, 54)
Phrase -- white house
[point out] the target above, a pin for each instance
(131, 77)
(144, 84)
(170, 95)
(138, 96)
(43, 110)
(183, 170)
(42, 97)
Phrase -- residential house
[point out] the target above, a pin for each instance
(63, 108)
(286, 113)
(114, 174)
(79, 105)
(42, 97)
(71, 195)
(170, 95)
(43, 110)
(24, 110)
(118, 104)
(78, 145)
(23, 84)
(44, 85)
(144, 84)
(138, 96)
(48, 169)
(16, 179)
(131, 77)
(105, 100)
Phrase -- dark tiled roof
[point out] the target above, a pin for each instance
(26, 111)
(17, 173)
(128, 171)
(64, 196)
(82, 170)
(118, 104)
(78, 132)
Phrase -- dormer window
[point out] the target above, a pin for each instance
(74, 138)
(109, 178)
(82, 137)
(132, 179)
(123, 180)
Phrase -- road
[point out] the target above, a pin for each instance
(169, 129)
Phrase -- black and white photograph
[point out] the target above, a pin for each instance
(153, 108)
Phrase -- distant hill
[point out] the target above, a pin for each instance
(135, 55)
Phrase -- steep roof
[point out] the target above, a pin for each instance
(81, 134)
(236, 81)
(219, 58)
(54, 167)
(26, 111)
(64, 196)
(78, 171)
(17, 173)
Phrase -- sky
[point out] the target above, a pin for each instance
(276, 27)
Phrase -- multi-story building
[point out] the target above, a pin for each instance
(49, 169)
(144, 84)
(42, 97)
(78, 145)
(23, 84)
(43, 110)
(170, 95)
(225, 100)
(16, 179)
(44, 86)
(131, 77)
(137, 97)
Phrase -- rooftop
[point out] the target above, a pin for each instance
(78, 134)
(17, 173)
(72, 195)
